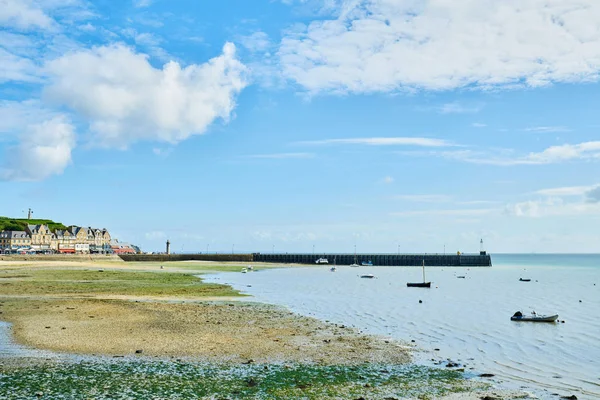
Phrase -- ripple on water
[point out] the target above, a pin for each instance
(468, 318)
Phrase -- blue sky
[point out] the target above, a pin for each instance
(279, 125)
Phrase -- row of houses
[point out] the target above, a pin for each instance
(75, 239)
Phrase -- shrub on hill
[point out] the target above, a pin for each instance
(19, 224)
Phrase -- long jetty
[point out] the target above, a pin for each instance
(431, 260)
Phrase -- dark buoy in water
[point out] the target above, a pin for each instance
(580, 301)
(420, 301)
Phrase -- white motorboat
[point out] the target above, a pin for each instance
(322, 261)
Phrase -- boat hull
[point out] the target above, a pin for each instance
(420, 284)
(539, 318)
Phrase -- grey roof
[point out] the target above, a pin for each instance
(14, 235)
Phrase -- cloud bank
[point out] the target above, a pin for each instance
(390, 45)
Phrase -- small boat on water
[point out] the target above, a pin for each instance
(322, 261)
(333, 269)
(354, 265)
(534, 317)
(368, 276)
(244, 271)
(524, 280)
(367, 263)
(420, 284)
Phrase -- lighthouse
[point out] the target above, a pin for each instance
(482, 252)
(168, 247)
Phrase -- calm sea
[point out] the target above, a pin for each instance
(468, 320)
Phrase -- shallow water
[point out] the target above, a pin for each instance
(466, 319)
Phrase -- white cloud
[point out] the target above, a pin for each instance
(552, 207)
(24, 14)
(125, 99)
(14, 114)
(17, 68)
(459, 108)
(547, 129)
(389, 45)
(451, 212)
(503, 157)
(142, 3)
(256, 42)
(566, 152)
(593, 195)
(565, 191)
(384, 141)
(44, 150)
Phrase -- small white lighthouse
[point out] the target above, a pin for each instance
(481, 249)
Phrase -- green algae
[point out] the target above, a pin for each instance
(126, 379)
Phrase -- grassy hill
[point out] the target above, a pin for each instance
(19, 224)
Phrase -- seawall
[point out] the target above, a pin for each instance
(59, 257)
(431, 260)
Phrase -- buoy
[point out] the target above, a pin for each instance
(420, 301)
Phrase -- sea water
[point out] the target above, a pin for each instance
(466, 320)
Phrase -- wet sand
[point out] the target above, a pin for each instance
(220, 332)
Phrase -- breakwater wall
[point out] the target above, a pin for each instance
(431, 260)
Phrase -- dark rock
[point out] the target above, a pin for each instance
(360, 398)
(139, 351)
(571, 397)
(437, 349)
(486, 375)
(420, 301)
(39, 394)
(251, 382)
(47, 327)
(250, 361)
(490, 398)
(452, 365)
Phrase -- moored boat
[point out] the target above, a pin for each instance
(518, 316)
(420, 284)
(368, 276)
(322, 261)
(524, 280)
(367, 263)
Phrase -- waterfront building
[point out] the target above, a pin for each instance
(65, 241)
(40, 237)
(81, 239)
(14, 241)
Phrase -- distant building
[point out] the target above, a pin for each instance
(74, 239)
(65, 242)
(122, 248)
(41, 237)
(14, 241)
